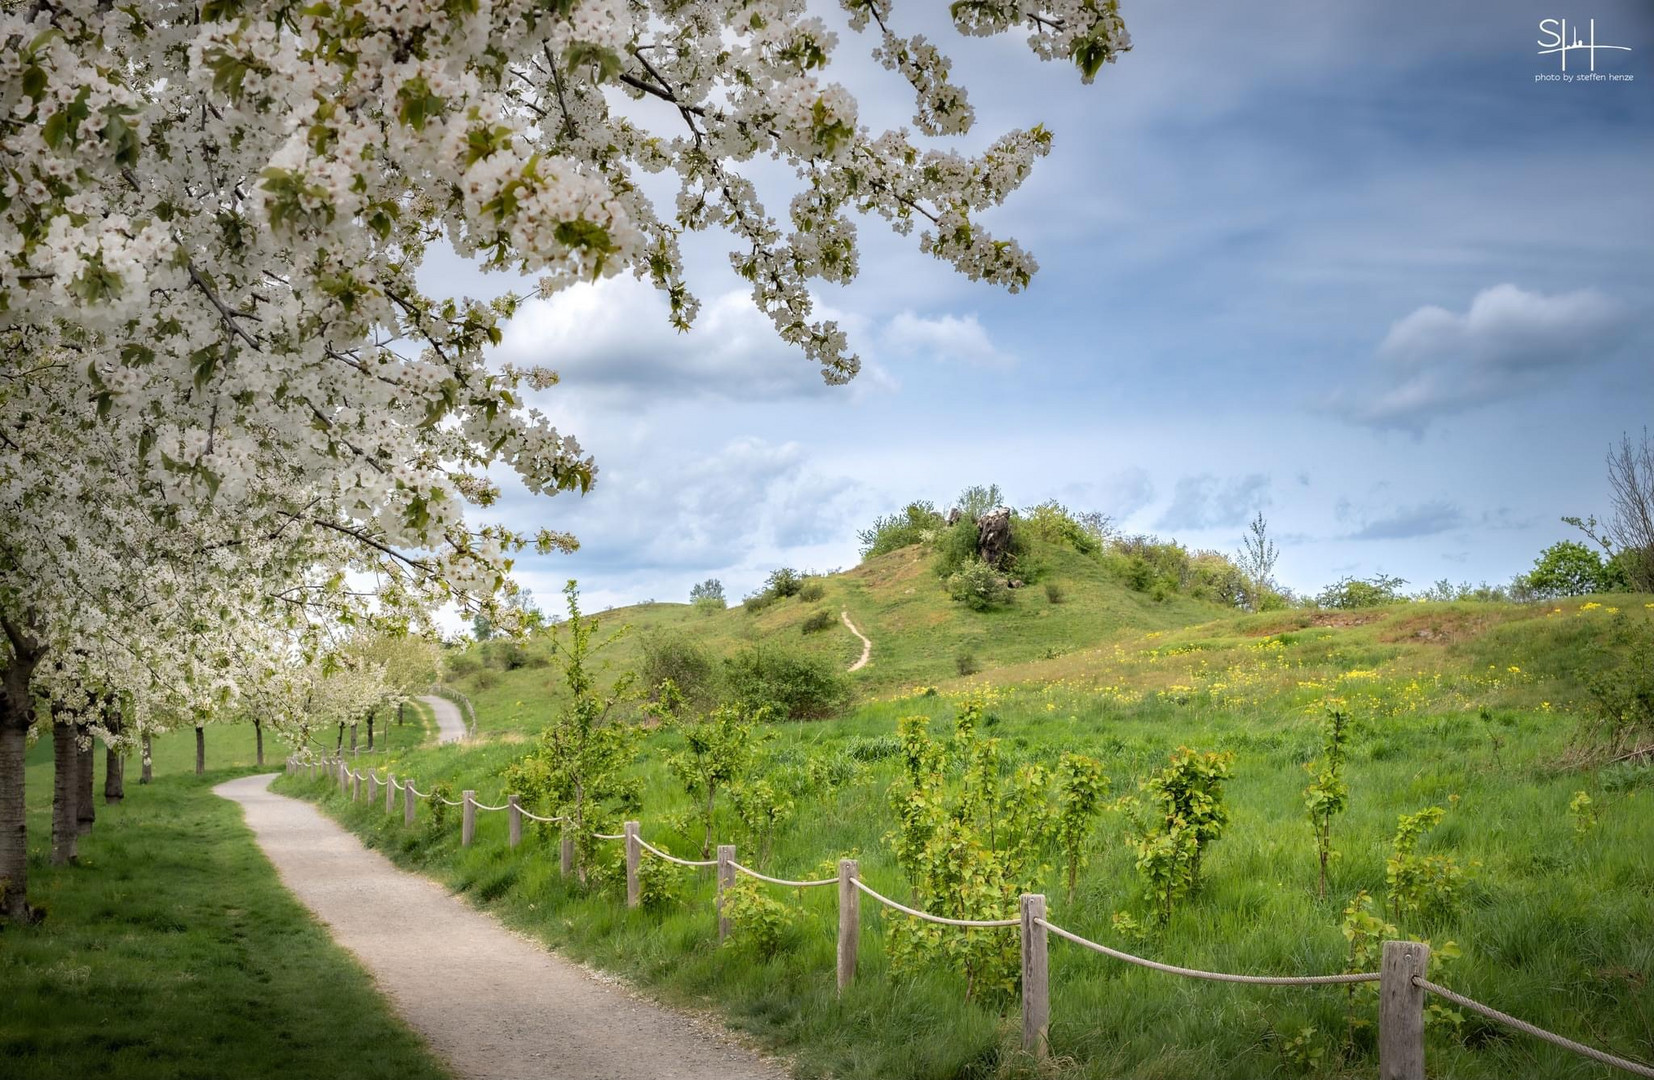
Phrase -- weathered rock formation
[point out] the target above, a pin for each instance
(993, 536)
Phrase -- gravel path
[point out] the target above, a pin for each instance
(491, 1003)
(450, 724)
(866, 645)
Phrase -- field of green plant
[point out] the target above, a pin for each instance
(173, 950)
(1533, 879)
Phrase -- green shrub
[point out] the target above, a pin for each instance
(757, 602)
(759, 923)
(965, 663)
(793, 685)
(503, 654)
(660, 884)
(1054, 523)
(485, 679)
(679, 657)
(818, 621)
(978, 586)
(708, 596)
(916, 523)
(1569, 568)
(461, 664)
(870, 748)
(1054, 593)
(1349, 592)
(811, 591)
(783, 582)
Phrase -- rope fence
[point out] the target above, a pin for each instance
(1401, 978)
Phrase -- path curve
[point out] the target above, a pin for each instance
(450, 724)
(866, 645)
(492, 1004)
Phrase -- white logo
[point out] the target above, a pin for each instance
(1554, 35)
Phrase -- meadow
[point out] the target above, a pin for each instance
(1471, 707)
(173, 950)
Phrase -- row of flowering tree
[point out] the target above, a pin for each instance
(238, 433)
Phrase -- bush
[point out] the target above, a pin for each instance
(1348, 592)
(783, 582)
(812, 591)
(1054, 593)
(917, 523)
(965, 663)
(757, 602)
(792, 685)
(817, 622)
(978, 586)
(682, 659)
(461, 664)
(1054, 523)
(708, 595)
(1569, 568)
(504, 654)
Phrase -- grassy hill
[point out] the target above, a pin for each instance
(919, 635)
(1480, 709)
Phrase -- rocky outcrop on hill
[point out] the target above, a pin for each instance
(993, 536)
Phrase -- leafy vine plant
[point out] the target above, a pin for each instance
(222, 367)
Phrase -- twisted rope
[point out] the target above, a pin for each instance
(1634, 1067)
(647, 846)
(449, 802)
(485, 806)
(398, 785)
(782, 881)
(532, 816)
(927, 916)
(417, 793)
(1215, 976)
(609, 836)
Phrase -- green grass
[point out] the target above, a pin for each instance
(897, 600)
(173, 951)
(1554, 926)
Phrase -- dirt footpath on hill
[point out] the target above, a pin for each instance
(492, 1004)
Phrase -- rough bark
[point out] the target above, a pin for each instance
(353, 737)
(149, 763)
(200, 749)
(16, 714)
(370, 733)
(86, 811)
(401, 707)
(258, 739)
(341, 745)
(114, 774)
(65, 786)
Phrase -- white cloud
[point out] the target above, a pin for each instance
(612, 340)
(943, 338)
(1509, 341)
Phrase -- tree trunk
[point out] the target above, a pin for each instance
(200, 749)
(353, 736)
(370, 733)
(65, 786)
(149, 763)
(14, 845)
(258, 737)
(114, 762)
(340, 748)
(401, 707)
(86, 811)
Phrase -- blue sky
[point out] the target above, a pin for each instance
(1350, 265)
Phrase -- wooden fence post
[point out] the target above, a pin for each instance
(407, 802)
(1036, 979)
(849, 921)
(565, 851)
(634, 855)
(467, 818)
(1401, 1011)
(726, 880)
(390, 792)
(356, 786)
(513, 820)
(373, 787)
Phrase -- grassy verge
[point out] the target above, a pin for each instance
(173, 950)
(1463, 706)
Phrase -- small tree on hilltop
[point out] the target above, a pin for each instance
(1257, 561)
(708, 596)
(1327, 796)
(1569, 568)
(578, 769)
